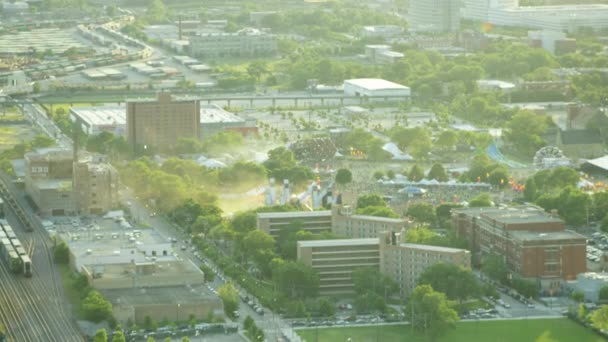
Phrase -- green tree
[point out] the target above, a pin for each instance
(578, 296)
(456, 282)
(422, 212)
(604, 224)
(344, 176)
(149, 323)
(582, 312)
(326, 307)
(603, 294)
(294, 279)
(230, 297)
(599, 318)
(185, 339)
(118, 336)
(256, 242)
(95, 307)
(444, 211)
(531, 190)
(151, 339)
(248, 323)
(62, 253)
(447, 140)
(430, 312)
(415, 174)
(481, 200)
(377, 211)
(368, 279)
(257, 69)
(494, 266)
(371, 200)
(100, 336)
(378, 175)
(499, 177)
(437, 172)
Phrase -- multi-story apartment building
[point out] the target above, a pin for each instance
(48, 180)
(405, 262)
(158, 124)
(58, 186)
(95, 186)
(313, 221)
(434, 16)
(347, 224)
(534, 244)
(335, 261)
(246, 42)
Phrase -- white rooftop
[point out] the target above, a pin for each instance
(601, 162)
(295, 214)
(496, 83)
(99, 116)
(375, 84)
(216, 114)
(432, 248)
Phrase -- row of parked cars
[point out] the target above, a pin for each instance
(481, 314)
(181, 331)
(339, 321)
(252, 304)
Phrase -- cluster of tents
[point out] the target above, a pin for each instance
(413, 187)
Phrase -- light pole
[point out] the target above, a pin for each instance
(178, 306)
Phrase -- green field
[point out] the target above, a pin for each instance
(539, 330)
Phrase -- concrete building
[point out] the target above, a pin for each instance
(534, 244)
(15, 82)
(335, 260)
(434, 16)
(381, 31)
(58, 186)
(376, 88)
(580, 143)
(488, 86)
(139, 272)
(555, 42)
(405, 262)
(257, 18)
(176, 303)
(95, 186)
(246, 42)
(94, 120)
(558, 18)
(215, 119)
(313, 221)
(347, 224)
(160, 123)
(382, 54)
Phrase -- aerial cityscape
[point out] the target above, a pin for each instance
(303, 170)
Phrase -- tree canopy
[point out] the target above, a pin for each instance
(456, 282)
(430, 312)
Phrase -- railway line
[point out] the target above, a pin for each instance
(33, 309)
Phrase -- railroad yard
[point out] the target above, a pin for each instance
(34, 309)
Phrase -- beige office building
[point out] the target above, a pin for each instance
(160, 123)
(405, 262)
(95, 186)
(313, 221)
(335, 261)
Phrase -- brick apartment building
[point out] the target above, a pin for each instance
(158, 124)
(534, 244)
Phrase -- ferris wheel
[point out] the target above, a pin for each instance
(549, 157)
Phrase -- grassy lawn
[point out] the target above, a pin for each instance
(545, 330)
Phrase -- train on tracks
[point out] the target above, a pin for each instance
(11, 202)
(13, 252)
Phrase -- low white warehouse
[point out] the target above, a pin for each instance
(375, 87)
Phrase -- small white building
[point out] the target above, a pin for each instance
(375, 87)
(590, 284)
(486, 86)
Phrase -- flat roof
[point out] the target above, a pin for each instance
(160, 295)
(50, 184)
(601, 162)
(215, 114)
(432, 248)
(289, 214)
(497, 84)
(378, 219)
(375, 84)
(339, 242)
(99, 116)
(518, 216)
(548, 236)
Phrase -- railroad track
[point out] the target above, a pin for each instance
(42, 295)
